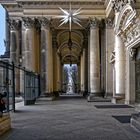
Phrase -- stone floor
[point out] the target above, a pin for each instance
(72, 119)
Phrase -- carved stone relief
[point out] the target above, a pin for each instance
(94, 23)
(117, 5)
(109, 23)
(28, 22)
(132, 53)
(14, 24)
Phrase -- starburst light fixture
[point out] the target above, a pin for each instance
(70, 16)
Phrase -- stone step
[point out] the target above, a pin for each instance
(5, 123)
(135, 121)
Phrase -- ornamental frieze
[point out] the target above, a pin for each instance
(118, 5)
(132, 35)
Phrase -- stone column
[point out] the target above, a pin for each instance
(130, 90)
(119, 55)
(119, 67)
(81, 73)
(46, 57)
(59, 73)
(15, 50)
(14, 40)
(94, 59)
(109, 55)
(79, 76)
(83, 57)
(119, 64)
(28, 44)
(55, 70)
(56, 64)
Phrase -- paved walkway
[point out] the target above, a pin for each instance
(72, 119)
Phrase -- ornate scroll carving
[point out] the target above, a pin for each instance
(28, 22)
(45, 22)
(14, 24)
(117, 5)
(132, 35)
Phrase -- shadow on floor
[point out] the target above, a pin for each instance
(122, 119)
(112, 106)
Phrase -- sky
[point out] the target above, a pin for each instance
(2, 30)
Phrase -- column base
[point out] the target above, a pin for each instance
(55, 95)
(97, 97)
(90, 97)
(46, 94)
(118, 98)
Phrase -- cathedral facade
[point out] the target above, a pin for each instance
(103, 41)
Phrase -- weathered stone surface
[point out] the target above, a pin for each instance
(5, 123)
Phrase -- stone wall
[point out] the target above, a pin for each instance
(5, 123)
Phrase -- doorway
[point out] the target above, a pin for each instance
(70, 79)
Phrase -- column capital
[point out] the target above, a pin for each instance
(132, 53)
(14, 24)
(109, 23)
(94, 23)
(45, 22)
(28, 22)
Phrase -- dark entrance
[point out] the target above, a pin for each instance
(137, 64)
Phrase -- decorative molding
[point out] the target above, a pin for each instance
(28, 22)
(118, 5)
(133, 34)
(49, 3)
(14, 24)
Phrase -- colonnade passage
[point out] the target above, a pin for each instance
(67, 61)
(47, 51)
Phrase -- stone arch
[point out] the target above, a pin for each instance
(75, 56)
(75, 44)
(125, 18)
(78, 36)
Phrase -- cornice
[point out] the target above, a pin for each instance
(49, 3)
